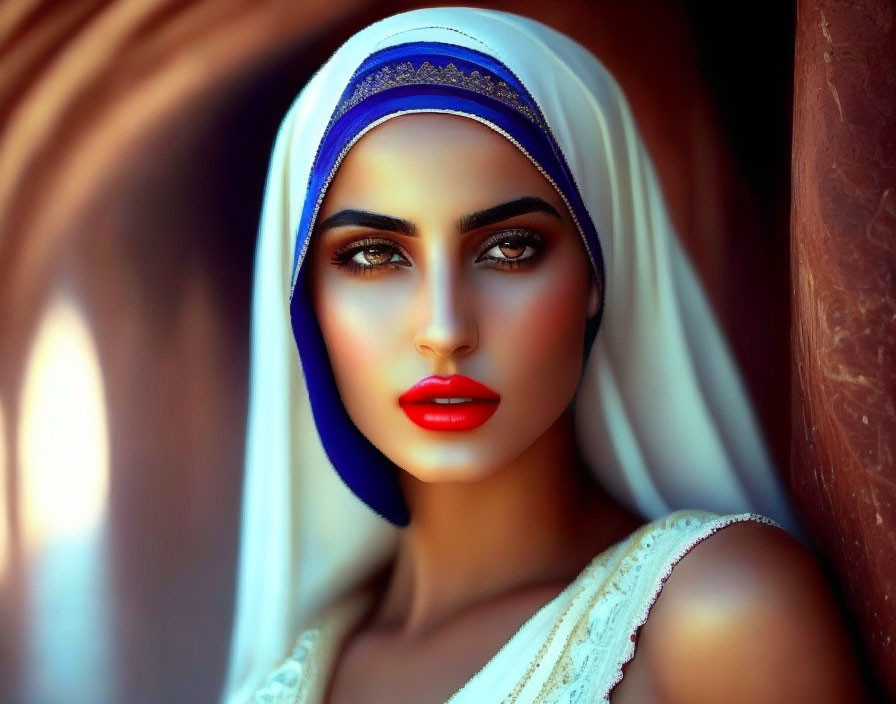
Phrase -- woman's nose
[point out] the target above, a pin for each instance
(448, 325)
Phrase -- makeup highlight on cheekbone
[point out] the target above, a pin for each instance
(449, 298)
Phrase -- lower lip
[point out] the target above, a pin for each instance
(455, 416)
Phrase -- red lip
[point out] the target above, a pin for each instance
(419, 405)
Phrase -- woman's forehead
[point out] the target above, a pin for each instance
(411, 161)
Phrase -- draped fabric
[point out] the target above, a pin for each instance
(662, 418)
(573, 649)
(413, 77)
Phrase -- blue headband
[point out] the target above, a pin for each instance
(414, 77)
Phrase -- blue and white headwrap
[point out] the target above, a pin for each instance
(662, 418)
(412, 78)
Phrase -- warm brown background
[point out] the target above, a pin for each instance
(134, 136)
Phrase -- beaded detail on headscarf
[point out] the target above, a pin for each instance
(404, 74)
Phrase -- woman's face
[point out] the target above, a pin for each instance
(442, 251)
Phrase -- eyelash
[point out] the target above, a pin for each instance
(518, 237)
(343, 257)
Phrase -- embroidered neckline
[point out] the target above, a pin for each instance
(594, 629)
(571, 592)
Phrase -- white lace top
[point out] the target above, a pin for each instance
(572, 650)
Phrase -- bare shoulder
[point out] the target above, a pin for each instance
(748, 616)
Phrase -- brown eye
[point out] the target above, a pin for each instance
(375, 256)
(368, 256)
(512, 250)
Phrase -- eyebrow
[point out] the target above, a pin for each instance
(467, 223)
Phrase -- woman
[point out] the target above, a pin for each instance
(505, 366)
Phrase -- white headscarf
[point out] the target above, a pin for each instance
(661, 414)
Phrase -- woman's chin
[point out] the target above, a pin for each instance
(441, 465)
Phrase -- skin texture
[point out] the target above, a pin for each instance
(505, 515)
(745, 617)
(520, 332)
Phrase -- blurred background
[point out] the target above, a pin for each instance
(134, 138)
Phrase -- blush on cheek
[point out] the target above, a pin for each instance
(353, 359)
(549, 307)
(546, 338)
(559, 334)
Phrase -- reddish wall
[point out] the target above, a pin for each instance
(844, 302)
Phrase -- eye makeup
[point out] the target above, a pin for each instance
(508, 249)
(370, 249)
(531, 243)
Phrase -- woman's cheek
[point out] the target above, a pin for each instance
(360, 326)
(539, 325)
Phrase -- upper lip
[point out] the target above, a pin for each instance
(454, 386)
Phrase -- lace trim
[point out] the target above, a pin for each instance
(641, 618)
(599, 562)
(404, 74)
(580, 671)
(289, 682)
(562, 674)
(320, 199)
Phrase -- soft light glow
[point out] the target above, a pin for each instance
(64, 474)
(63, 441)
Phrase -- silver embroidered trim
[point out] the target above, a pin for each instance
(305, 244)
(404, 74)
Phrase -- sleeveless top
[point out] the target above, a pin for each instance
(572, 650)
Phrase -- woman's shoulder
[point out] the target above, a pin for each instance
(746, 614)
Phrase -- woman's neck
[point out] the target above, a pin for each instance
(537, 521)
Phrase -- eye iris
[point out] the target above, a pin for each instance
(376, 255)
(512, 250)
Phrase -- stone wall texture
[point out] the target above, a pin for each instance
(843, 254)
